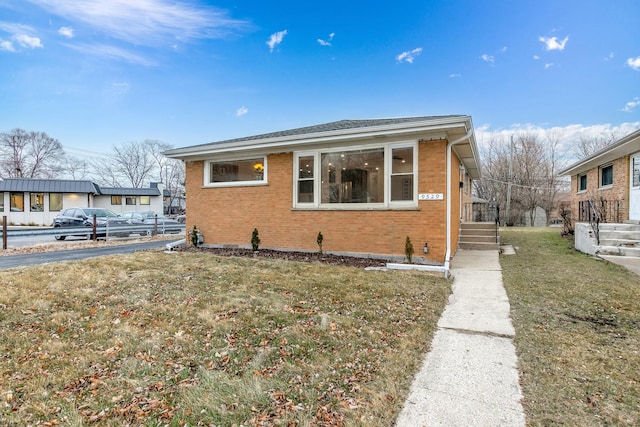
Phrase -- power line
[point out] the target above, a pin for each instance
(560, 184)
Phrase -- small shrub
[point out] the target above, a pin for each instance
(255, 240)
(194, 234)
(408, 249)
(319, 241)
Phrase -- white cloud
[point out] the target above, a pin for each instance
(609, 57)
(566, 135)
(487, 58)
(454, 75)
(409, 56)
(326, 42)
(66, 32)
(241, 111)
(7, 46)
(504, 49)
(28, 41)
(276, 39)
(20, 35)
(552, 43)
(111, 52)
(634, 63)
(548, 65)
(536, 57)
(631, 105)
(146, 22)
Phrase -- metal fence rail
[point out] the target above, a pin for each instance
(101, 232)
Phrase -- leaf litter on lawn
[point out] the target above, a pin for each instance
(198, 339)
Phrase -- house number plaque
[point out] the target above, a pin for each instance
(431, 196)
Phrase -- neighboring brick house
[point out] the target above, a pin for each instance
(365, 184)
(610, 180)
(38, 201)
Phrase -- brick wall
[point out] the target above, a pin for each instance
(618, 191)
(228, 215)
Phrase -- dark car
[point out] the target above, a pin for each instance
(83, 217)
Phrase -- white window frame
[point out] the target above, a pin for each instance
(582, 190)
(316, 181)
(207, 172)
(600, 169)
(388, 159)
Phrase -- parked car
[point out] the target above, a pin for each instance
(166, 225)
(147, 217)
(83, 217)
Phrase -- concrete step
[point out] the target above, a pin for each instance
(479, 246)
(478, 232)
(619, 234)
(619, 227)
(475, 238)
(619, 251)
(627, 243)
(477, 225)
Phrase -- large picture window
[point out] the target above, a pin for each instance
(378, 177)
(353, 176)
(236, 172)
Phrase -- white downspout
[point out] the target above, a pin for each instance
(448, 177)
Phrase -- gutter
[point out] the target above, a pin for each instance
(448, 176)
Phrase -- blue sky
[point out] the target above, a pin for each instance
(95, 74)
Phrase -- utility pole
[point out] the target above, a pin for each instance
(509, 179)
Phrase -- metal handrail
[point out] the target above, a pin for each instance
(594, 221)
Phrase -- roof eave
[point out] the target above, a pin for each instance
(626, 145)
(343, 135)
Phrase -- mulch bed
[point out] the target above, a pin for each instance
(348, 261)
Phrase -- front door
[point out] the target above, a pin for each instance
(634, 191)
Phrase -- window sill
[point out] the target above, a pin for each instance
(356, 208)
(605, 187)
(581, 191)
(236, 184)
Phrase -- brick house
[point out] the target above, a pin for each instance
(608, 182)
(365, 184)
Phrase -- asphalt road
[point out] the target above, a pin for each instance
(12, 261)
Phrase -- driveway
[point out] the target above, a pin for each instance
(12, 261)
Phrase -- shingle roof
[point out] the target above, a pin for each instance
(329, 127)
(48, 186)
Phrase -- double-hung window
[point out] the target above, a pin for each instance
(606, 176)
(378, 177)
(250, 171)
(582, 182)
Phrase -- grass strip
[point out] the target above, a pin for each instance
(577, 322)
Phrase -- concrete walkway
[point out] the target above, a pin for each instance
(470, 376)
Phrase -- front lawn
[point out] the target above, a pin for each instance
(194, 339)
(577, 322)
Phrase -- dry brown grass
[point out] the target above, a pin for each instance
(577, 323)
(194, 339)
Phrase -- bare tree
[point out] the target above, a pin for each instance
(130, 165)
(521, 174)
(76, 168)
(590, 144)
(30, 155)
